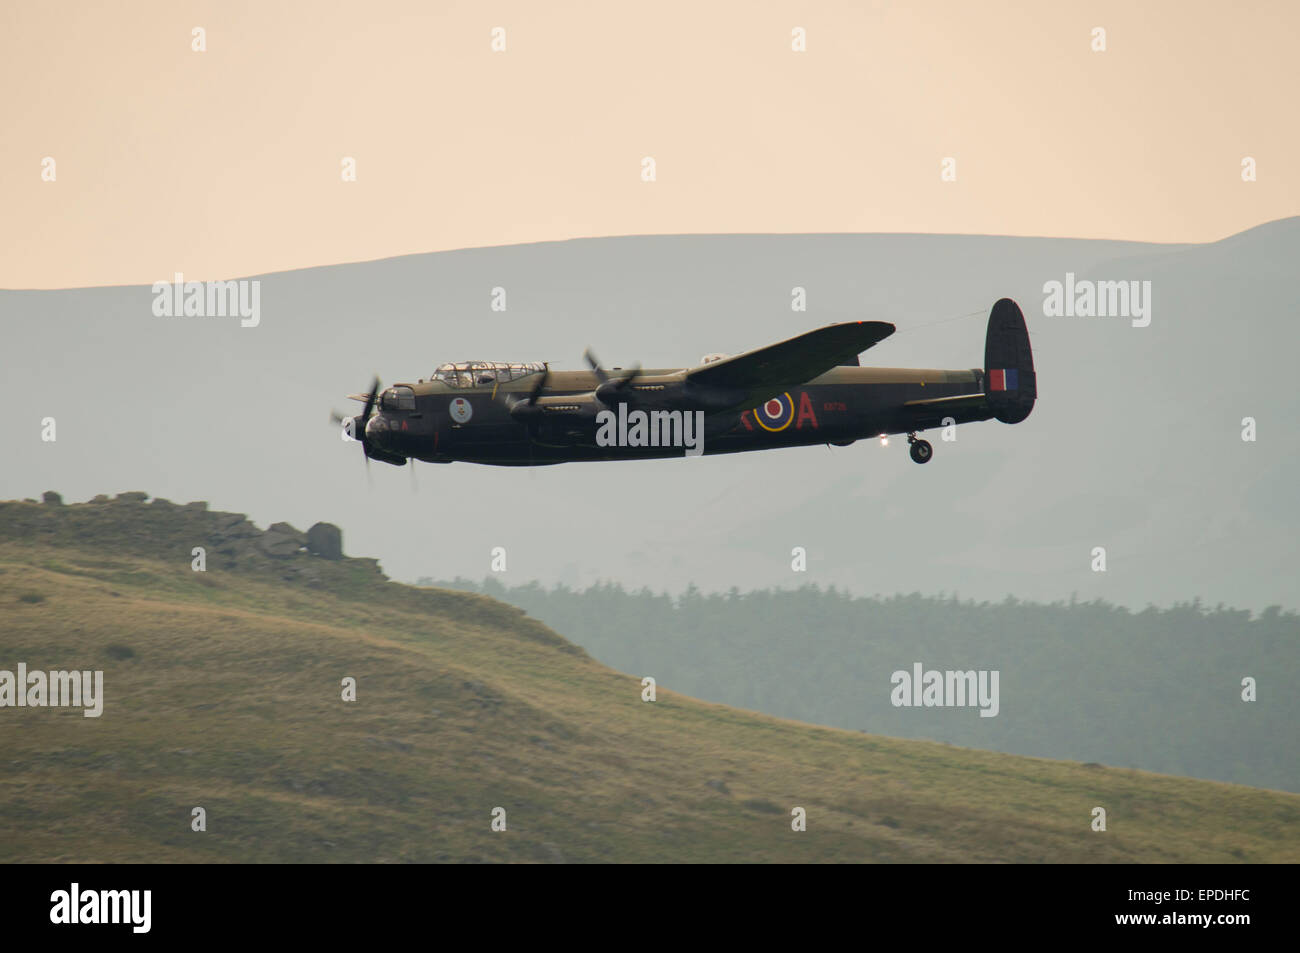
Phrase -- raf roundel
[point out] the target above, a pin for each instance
(775, 415)
(460, 409)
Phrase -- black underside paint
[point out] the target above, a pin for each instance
(804, 416)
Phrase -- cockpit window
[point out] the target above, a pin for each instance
(398, 398)
(483, 373)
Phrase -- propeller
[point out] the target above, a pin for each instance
(595, 365)
(523, 407)
(359, 423)
(612, 389)
(365, 418)
(539, 386)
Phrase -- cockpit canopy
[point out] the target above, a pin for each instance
(400, 397)
(480, 373)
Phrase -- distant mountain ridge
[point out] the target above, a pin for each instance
(1135, 444)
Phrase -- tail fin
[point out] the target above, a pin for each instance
(1009, 381)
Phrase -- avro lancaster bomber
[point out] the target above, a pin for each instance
(810, 389)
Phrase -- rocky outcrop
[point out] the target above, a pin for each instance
(115, 530)
(325, 540)
(281, 540)
(130, 522)
(285, 529)
(233, 526)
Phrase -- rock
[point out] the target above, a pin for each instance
(284, 529)
(160, 502)
(52, 498)
(200, 505)
(100, 498)
(278, 545)
(233, 526)
(242, 554)
(134, 496)
(221, 522)
(306, 573)
(325, 540)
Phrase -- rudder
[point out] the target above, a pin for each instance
(1009, 381)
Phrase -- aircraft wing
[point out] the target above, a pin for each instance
(758, 374)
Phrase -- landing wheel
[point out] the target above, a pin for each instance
(921, 451)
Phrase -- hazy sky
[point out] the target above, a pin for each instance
(228, 162)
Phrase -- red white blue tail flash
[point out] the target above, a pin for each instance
(1002, 379)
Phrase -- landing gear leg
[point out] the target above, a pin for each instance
(921, 450)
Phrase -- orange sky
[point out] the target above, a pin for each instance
(227, 162)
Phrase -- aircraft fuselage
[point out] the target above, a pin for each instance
(838, 407)
(806, 390)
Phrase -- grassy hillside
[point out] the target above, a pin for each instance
(222, 690)
(1158, 690)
